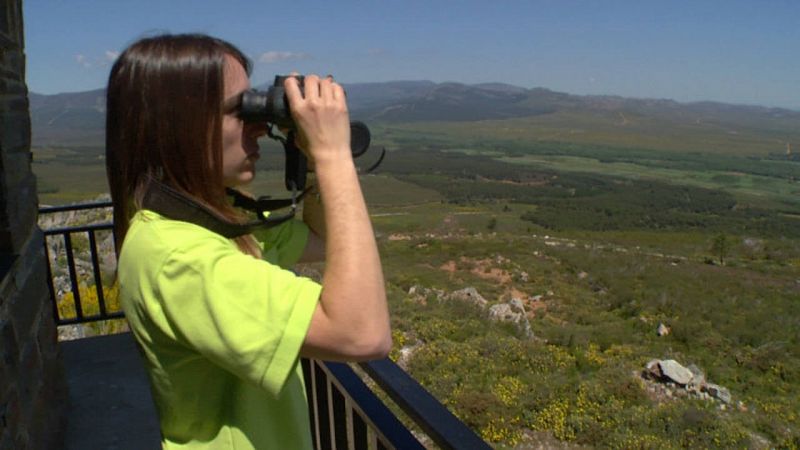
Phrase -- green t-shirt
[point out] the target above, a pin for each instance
(220, 332)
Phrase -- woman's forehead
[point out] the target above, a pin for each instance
(236, 80)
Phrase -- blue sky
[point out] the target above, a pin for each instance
(731, 51)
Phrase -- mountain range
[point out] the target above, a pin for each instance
(78, 118)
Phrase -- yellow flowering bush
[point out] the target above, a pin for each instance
(90, 306)
(500, 429)
(90, 303)
(508, 390)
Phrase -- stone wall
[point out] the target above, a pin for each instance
(32, 392)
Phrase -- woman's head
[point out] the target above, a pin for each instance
(171, 116)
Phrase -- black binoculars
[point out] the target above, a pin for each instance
(271, 106)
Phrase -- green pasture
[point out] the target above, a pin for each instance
(749, 188)
(61, 183)
(679, 135)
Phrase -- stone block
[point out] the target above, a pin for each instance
(9, 350)
(18, 219)
(12, 58)
(32, 259)
(11, 412)
(16, 169)
(6, 443)
(5, 17)
(7, 263)
(47, 334)
(22, 439)
(30, 375)
(6, 243)
(26, 306)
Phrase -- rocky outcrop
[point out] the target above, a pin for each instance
(468, 294)
(668, 378)
(512, 311)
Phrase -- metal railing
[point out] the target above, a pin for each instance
(67, 235)
(345, 413)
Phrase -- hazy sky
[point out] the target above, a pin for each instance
(723, 50)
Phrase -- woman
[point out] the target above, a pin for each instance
(221, 326)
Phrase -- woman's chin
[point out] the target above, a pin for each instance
(241, 179)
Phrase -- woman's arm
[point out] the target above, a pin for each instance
(351, 321)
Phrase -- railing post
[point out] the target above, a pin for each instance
(73, 276)
(98, 280)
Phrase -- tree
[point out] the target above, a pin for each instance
(720, 247)
(492, 224)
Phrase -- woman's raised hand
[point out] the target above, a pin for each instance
(322, 119)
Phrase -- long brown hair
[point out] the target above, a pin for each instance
(164, 122)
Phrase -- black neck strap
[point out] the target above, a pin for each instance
(175, 205)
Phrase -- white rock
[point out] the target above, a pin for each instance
(471, 295)
(675, 372)
(718, 392)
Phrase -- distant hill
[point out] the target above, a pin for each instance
(69, 119)
(78, 118)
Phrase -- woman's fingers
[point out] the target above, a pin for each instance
(320, 113)
(311, 87)
(315, 88)
(292, 87)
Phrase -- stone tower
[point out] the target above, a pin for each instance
(32, 392)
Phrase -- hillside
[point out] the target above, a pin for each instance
(77, 119)
(551, 269)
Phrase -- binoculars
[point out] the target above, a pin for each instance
(271, 106)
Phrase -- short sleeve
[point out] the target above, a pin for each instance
(284, 244)
(244, 314)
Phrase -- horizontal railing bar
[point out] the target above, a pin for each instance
(436, 421)
(79, 229)
(95, 318)
(78, 207)
(383, 420)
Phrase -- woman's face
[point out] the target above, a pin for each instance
(239, 140)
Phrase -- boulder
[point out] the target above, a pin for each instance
(698, 378)
(469, 295)
(652, 370)
(720, 393)
(675, 371)
(506, 312)
(516, 305)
